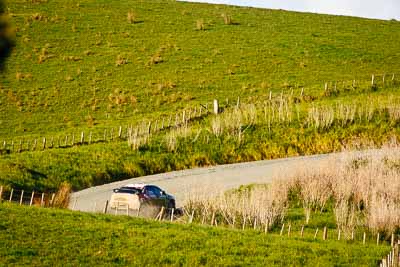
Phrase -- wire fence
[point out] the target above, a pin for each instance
(188, 115)
(30, 198)
(183, 216)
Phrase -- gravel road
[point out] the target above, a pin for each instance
(213, 179)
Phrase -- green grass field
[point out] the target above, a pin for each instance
(38, 236)
(81, 63)
(94, 65)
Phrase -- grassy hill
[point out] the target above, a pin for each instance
(55, 237)
(94, 65)
(82, 62)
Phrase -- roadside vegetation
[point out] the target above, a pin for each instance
(355, 193)
(54, 237)
(303, 82)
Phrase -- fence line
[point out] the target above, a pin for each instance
(172, 215)
(121, 133)
(286, 230)
(23, 197)
(182, 118)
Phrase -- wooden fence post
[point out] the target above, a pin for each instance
(316, 232)
(377, 239)
(32, 196)
(116, 208)
(1, 193)
(364, 238)
(138, 211)
(82, 138)
(283, 227)
(338, 236)
(149, 128)
(120, 131)
(44, 143)
(21, 198)
(105, 207)
(191, 217)
(325, 234)
(52, 199)
(302, 231)
(172, 215)
(216, 108)
(372, 80)
(42, 200)
(392, 240)
(74, 205)
(11, 194)
(289, 228)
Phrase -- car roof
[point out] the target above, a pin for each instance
(140, 186)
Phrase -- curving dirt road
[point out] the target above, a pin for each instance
(213, 179)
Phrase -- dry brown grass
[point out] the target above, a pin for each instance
(258, 207)
(62, 197)
(131, 17)
(227, 19)
(364, 186)
(200, 25)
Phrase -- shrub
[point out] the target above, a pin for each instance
(200, 25)
(131, 17)
(62, 197)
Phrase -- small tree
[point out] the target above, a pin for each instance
(6, 35)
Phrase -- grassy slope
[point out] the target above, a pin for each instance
(78, 85)
(267, 49)
(56, 237)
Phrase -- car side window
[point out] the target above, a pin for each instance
(154, 191)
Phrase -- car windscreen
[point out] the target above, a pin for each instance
(127, 190)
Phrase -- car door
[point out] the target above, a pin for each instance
(156, 195)
(151, 197)
(161, 196)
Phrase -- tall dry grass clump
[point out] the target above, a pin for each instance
(173, 136)
(314, 186)
(131, 17)
(62, 197)
(255, 206)
(364, 187)
(200, 25)
(235, 122)
(137, 138)
(227, 19)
